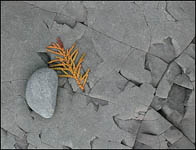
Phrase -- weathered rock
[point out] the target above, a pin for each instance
(182, 11)
(130, 28)
(156, 66)
(174, 109)
(172, 134)
(33, 139)
(63, 19)
(75, 10)
(190, 51)
(16, 116)
(7, 140)
(148, 139)
(167, 80)
(154, 123)
(157, 103)
(187, 125)
(165, 50)
(41, 92)
(178, 97)
(188, 65)
(109, 86)
(184, 81)
(163, 24)
(53, 6)
(104, 144)
(139, 145)
(182, 143)
(133, 67)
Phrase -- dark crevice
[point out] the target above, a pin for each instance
(96, 102)
(152, 134)
(133, 81)
(91, 141)
(193, 41)
(32, 118)
(165, 117)
(65, 20)
(44, 56)
(83, 23)
(125, 124)
(46, 24)
(40, 135)
(166, 9)
(22, 129)
(124, 143)
(29, 108)
(66, 147)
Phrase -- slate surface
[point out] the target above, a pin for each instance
(140, 92)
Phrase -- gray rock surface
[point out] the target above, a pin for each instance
(41, 92)
(133, 67)
(157, 68)
(166, 51)
(140, 93)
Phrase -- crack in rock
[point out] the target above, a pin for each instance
(62, 19)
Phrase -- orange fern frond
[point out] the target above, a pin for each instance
(65, 62)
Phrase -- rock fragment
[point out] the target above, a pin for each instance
(41, 92)
(133, 67)
(156, 66)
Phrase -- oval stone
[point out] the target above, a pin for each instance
(41, 92)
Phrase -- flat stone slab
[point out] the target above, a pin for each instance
(140, 92)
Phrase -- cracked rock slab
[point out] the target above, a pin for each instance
(133, 67)
(166, 82)
(165, 50)
(7, 140)
(188, 65)
(157, 68)
(103, 144)
(130, 27)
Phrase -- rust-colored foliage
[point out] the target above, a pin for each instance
(66, 62)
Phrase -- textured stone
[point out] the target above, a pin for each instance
(33, 139)
(156, 66)
(154, 123)
(188, 65)
(182, 143)
(76, 10)
(41, 92)
(54, 6)
(139, 37)
(182, 11)
(20, 44)
(167, 80)
(103, 144)
(190, 51)
(16, 116)
(157, 103)
(130, 27)
(163, 24)
(150, 140)
(187, 125)
(165, 50)
(7, 140)
(184, 81)
(133, 67)
(134, 101)
(172, 135)
(109, 86)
